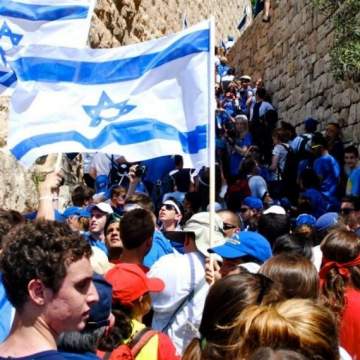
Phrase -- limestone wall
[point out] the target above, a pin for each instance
(119, 22)
(292, 55)
(115, 23)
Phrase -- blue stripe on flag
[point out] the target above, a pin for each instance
(7, 78)
(124, 133)
(55, 70)
(42, 12)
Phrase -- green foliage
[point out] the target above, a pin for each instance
(345, 54)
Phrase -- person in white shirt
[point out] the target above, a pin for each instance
(178, 309)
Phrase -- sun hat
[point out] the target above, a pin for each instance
(199, 224)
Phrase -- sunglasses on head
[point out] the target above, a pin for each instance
(229, 226)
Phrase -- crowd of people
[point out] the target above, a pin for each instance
(129, 271)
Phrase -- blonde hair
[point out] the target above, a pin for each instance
(297, 324)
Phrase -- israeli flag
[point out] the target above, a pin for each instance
(140, 101)
(52, 22)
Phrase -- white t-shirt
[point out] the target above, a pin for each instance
(181, 273)
(102, 163)
(281, 153)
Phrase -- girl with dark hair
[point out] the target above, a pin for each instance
(296, 274)
(340, 284)
(239, 291)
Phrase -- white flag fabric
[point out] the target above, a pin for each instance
(140, 101)
(51, 22)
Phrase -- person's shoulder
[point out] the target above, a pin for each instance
(44, 355)
(167, 262)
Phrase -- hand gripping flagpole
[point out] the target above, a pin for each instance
(211, 139)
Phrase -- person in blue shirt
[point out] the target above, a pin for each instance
(325, 167)
(311, 200)
(238, 143)
(96, 236)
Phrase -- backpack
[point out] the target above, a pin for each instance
(289, 174)
(131, 350)
(303, 152)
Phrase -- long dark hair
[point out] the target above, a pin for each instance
(340, 246)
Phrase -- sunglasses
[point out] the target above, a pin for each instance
(244, 209)
(346, 211)
(168, 207)
(229, 226)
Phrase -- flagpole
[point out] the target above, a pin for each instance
(211, 139)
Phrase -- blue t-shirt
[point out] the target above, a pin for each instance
(353, 183)
(158, 167)
(327, 168)
(44, 355)
(236, 158)
(95, 242)
(75, 356)
(319, 203)
(160, 246)
(6, 311)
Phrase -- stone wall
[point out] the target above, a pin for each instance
(119, 22)
(291, 54)
(116, 23)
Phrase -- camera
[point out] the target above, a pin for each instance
(140, 170)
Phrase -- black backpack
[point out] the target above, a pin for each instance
(289, 174)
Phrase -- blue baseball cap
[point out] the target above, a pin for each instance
(326, 221)
(305, 219)
(242, 244)
(100, 311)
(71, 211)
(253, 202)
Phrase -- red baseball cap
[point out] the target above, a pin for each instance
(129, 282)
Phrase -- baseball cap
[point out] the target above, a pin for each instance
(102, 206)
(310, 124)
(303, 219)
(129, 282)
(71, 211)
(275, 209)
(244, 243)
(100, 312)
(245, 77)
(253, 202)
(199, 224)
(326, 221)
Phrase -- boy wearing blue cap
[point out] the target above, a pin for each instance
(247, 249)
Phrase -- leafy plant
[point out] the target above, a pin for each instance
(345, 53)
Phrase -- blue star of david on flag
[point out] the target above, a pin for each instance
(5, 31)
(104, 110)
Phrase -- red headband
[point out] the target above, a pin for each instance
(343, 267)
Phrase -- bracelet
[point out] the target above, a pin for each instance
(48, 197)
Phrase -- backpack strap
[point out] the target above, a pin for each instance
(107, 355)
(140, 340)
